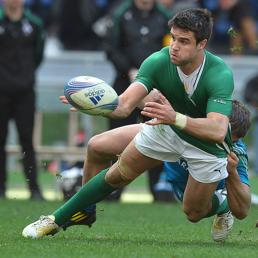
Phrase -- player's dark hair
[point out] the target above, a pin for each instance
(240, 119)
(197, 20)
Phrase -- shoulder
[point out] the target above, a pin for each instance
(33, 18)
(217, 74)
(160, 56)
(153, 68)
(157, 61)
(215, 63)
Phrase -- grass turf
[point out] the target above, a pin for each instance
(123, 230)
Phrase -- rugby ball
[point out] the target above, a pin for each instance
(91, 95)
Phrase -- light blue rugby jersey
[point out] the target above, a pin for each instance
(177, 173)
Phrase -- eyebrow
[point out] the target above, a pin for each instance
(180, 37)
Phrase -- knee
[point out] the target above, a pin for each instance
(120, 174)
(240, 214)
(116, 179)
(193, 215)
(94, 147)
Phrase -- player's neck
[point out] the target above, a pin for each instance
(192, 66)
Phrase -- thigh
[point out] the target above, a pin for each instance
(197, 195)
(105, 147)
(113, 142)
(159, 142)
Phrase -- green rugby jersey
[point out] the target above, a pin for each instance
(212, 94)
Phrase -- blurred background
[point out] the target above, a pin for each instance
(79, 42)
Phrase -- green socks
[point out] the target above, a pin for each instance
(92, 192)
(219, 204)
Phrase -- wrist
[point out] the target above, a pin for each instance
(180, 121)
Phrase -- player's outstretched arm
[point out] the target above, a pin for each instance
(213, 128)
(128, 101)
(238, 193)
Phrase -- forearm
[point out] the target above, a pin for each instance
(207, 128)
(211, 128)
(128, 101)
(238, 194)
(122, 111)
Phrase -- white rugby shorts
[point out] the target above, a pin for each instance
(162, 143)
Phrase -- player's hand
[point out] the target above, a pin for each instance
(232, 162)
(155, 96)
(64, 100)
(162, 111)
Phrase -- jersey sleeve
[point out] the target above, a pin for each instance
(150, 69)
(242, 168)
(242, 172)
(220, 89)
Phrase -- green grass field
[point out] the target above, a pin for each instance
(122, 230)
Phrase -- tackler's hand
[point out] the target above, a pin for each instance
(232, 162)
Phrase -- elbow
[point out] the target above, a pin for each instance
(240, 215)
(219, 132)
(218, 137)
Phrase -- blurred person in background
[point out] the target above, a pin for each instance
(21, 52)
(173, 6)
(235, 28)
(77, 20)
(138, 29)
(251, 97)
(42, 8)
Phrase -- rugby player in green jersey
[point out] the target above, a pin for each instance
(190, 121)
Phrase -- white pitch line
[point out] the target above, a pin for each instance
(51, 195)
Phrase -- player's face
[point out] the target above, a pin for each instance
(13, 3)
(144, 5)
(183, 47)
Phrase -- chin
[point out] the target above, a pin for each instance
(175, 62)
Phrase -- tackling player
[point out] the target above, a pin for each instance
(233, 192)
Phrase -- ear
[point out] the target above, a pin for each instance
(202, 44)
